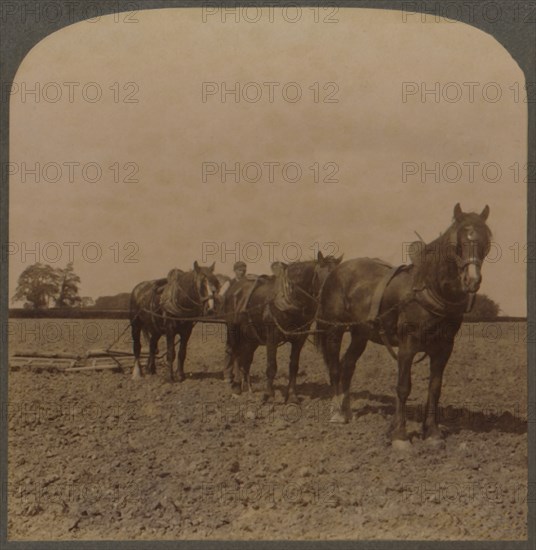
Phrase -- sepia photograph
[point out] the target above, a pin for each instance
(265, 271)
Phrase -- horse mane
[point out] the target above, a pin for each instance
(174, 274)
(178, 287)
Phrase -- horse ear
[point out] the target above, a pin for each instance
(485, 213)
(458, 212)
(320, 256)
(212, 267)
(196, 266)
(339, 259)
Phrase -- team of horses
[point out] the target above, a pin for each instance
(417, 307)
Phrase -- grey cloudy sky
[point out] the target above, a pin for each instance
(362, 157)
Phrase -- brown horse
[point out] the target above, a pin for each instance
(274, 310)
(155, 307)
(417, 308)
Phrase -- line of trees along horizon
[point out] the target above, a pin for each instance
(41, 286)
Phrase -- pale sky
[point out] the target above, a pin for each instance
(367, 137)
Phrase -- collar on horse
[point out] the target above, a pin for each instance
(439, 306)
(425, 296)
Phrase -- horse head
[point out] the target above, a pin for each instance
(298, 285)
(469, 244)
(324, 266)
(207, 286)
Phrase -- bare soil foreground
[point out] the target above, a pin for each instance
(97, 455)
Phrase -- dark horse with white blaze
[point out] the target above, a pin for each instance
(156, 306)
(418, 308)
(274, 310)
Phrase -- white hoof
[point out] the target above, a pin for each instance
(338, 418)
(136, 372)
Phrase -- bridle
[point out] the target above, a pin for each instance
(314, 296)
(436, 303)
(211, 291)
(461, 262)
(201, 300)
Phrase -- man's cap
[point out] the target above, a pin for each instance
(238, 265)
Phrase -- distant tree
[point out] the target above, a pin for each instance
(118, 301)
(68, 287)
(87, 301)
(484, 309)
(36, 285)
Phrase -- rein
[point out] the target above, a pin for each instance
(297, 332)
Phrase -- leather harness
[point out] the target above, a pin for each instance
(425, 297)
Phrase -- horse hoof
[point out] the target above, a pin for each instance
(292, 399)
(338, 418)
(435, 442)
(402, 445)
(136, 375)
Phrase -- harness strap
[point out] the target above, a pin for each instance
(433, 303)
(296, 332)
(377, 297)
(375, 306)
(241, 302)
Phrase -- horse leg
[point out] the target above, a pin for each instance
(153, 348)
(232, 367)
(185, 333)
(438, 362)
(293, 367)
(229, 360)
(271, 368)
(170, 340)
(332, 350)
(399, 437)
(136, 342)
(249, 360)
(228, 364)
(244, 360)
(353, 353)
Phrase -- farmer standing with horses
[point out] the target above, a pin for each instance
(229, 291)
